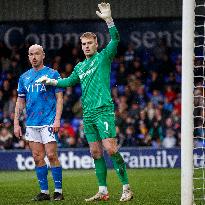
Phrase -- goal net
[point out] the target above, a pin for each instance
(199, 104)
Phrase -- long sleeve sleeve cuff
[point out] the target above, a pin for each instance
(110, 24)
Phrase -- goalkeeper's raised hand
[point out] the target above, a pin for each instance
(47, 81)
(105, 12)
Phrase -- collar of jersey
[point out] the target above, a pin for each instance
(44, 67)
(91, 57)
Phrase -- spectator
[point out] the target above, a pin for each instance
(120, 137)
(130, 139)
(169, 141)
(156, 134)
(170, 94)
(67, 136)
(5, 139)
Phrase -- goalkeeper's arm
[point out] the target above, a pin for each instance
(63, 83)
(105, 14)
(68, 82)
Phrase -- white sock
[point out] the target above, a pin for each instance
(126, 187)
(45, 191)
(103, 189)
(59, 191)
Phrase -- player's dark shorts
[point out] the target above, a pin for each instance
(100, 124)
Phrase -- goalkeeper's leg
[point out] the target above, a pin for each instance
(100, 170)
(119, 166)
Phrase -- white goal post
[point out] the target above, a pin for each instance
(187, 102)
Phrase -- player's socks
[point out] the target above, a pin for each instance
(101, 171)
(59, 191)
(42, 173)
(125, 187)
(45, 191)
(120, 167)
(57, 178)
(103, 189)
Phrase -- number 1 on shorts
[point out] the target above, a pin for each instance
(106, 126)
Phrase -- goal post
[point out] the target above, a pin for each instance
(187, 102)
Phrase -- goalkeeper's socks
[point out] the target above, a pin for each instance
(101, 171)
(126, 187)
(57, 178)
(103, 190)
(42, 173)
(120, 167)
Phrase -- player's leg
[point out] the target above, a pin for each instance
(38, 151)
(99, 161)
(49, 139)
(107, 131)
(110, 145)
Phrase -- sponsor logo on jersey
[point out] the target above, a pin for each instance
(38, 87)
(89, 71)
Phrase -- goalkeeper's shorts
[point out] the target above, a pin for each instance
(100, 126)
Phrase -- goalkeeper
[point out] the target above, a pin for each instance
(98, 110)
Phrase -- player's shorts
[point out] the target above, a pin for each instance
(42, 135)
(100, 126)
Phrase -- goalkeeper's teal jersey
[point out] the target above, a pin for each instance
(94, 76)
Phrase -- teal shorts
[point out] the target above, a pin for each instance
(100, 126)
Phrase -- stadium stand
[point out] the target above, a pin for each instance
(145, 89)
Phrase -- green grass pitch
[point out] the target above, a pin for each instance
(150, 187)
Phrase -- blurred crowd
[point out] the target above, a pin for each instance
(145, 86)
